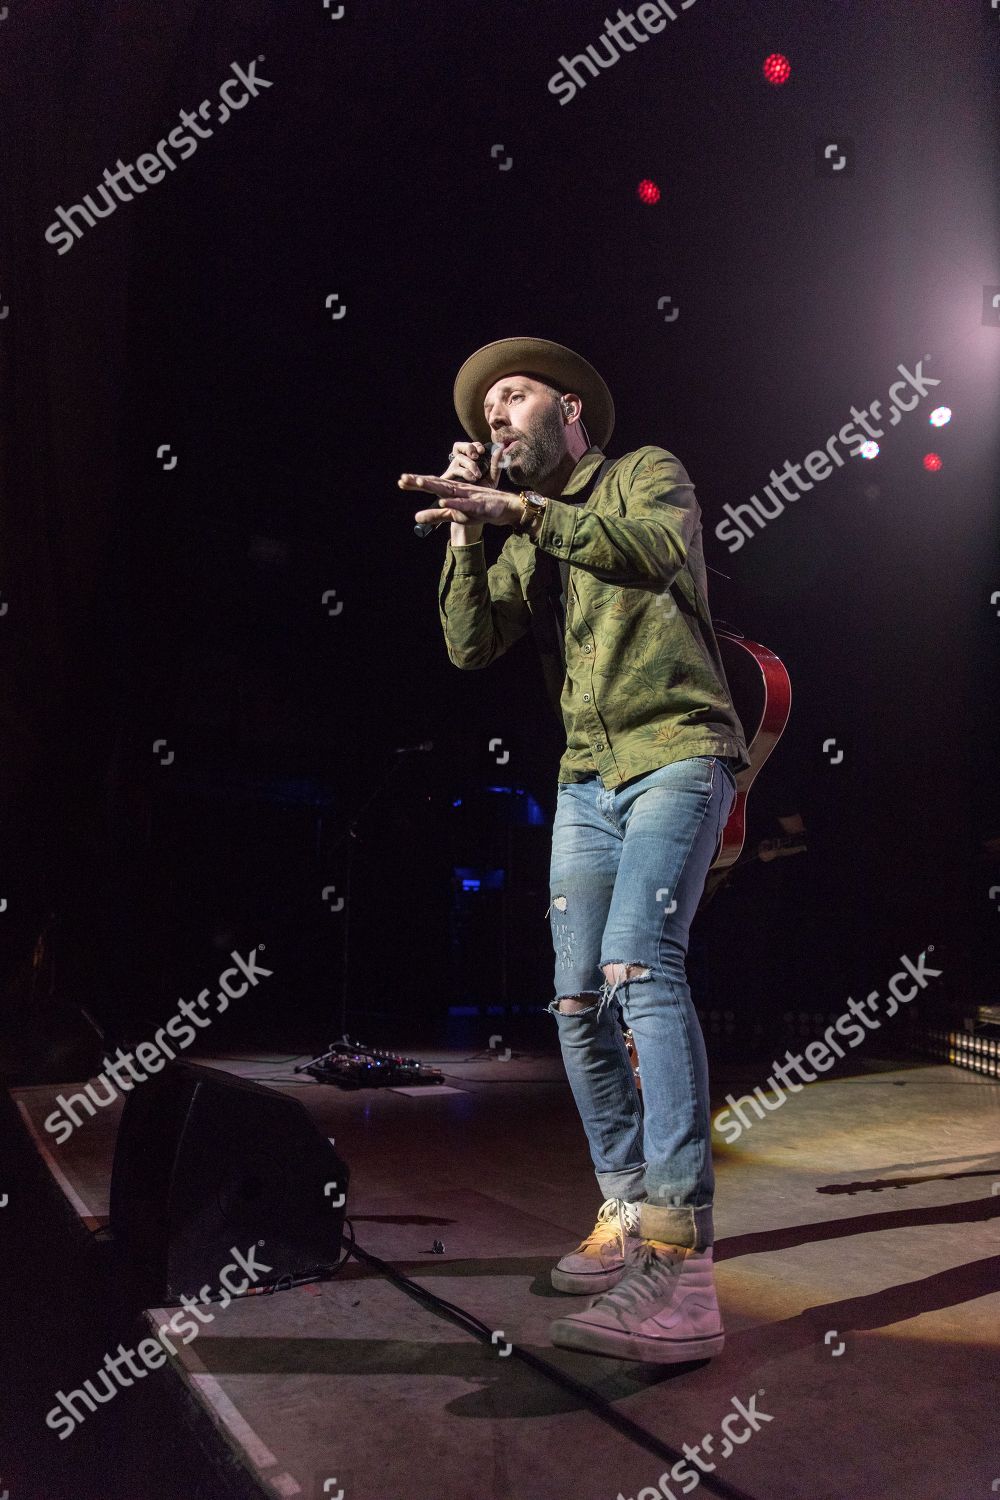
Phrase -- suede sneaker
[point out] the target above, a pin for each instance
(599, 1262)
(663, 1310)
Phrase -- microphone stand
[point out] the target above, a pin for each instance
(351, 837)
(420, 529)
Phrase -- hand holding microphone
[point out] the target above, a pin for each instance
(471, 463)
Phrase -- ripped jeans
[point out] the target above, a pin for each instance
(627, 871)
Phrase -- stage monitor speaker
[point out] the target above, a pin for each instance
(207, 1162)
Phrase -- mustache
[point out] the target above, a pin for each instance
(507, 459)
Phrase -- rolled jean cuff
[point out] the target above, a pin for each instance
(687, 1226)
(629, 1184)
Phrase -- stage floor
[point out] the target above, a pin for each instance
(857, 1265)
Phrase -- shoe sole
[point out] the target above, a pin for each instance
(585, 1282)
(591, 1340)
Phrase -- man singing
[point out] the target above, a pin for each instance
(644, 790)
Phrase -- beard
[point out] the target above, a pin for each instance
(540, 451)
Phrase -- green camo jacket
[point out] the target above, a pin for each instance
(641, 681)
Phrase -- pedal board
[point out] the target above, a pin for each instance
(354, 1065)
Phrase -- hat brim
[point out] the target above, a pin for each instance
(524, 356)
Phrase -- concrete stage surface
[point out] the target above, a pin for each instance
(857, 1265)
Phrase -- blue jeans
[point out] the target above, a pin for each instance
(627, 872)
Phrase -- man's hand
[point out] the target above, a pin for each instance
(467, 459)
(465, 504)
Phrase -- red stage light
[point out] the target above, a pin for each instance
(776, 69)
(932, 462)
(648, 191)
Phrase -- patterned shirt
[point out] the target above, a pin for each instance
(635, 672)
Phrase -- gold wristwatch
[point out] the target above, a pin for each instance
(532, 511)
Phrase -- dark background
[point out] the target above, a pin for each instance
(187, 605)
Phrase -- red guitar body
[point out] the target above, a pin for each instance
(761, 691)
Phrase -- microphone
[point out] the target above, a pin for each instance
(424, 528)
(414, 749)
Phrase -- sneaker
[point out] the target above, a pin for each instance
(599, 1262)
(663, 1310)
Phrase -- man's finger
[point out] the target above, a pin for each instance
(425, 482)
(430, 517)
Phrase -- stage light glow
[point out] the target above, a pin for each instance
(870, 449)
(776, 70)
(932, 462)
(648, 191)
(940, 415)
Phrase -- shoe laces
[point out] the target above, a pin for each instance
(649, 1258)
(608, 1213)
(616, 1215)
(629, 1219)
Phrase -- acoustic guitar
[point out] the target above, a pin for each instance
(761, 691)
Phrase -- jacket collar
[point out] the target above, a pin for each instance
(584, 471)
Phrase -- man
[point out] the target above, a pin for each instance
(644, 790)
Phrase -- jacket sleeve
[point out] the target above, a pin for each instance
(647, 546)
(483, 611)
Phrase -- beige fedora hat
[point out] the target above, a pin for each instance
(534, 357)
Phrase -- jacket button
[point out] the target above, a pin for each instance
(588, 648)
(558, 541)
(598, 744)
(586, 697)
